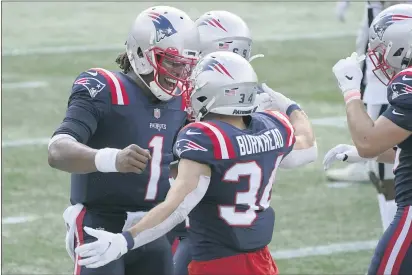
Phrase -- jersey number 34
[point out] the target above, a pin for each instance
(249, 197)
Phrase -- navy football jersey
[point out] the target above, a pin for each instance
(109, 109)
(400, 113)
(235, 214)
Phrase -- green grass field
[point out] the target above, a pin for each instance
(309, 213)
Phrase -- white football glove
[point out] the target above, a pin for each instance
(107, 248)
(342, 152)
(271, 100)
(348, 73)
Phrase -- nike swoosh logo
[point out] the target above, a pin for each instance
(349, 77)
(404, 78)
(92, 73)
(192, 133)
(396, 113)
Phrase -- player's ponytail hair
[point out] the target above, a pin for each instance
(124, 62)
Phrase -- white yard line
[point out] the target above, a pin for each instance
(324, 250)
(16, 220)
(330, 121)
(339, 184)
(99, 48)
(24, 85)
(24, 142)
(337, 121)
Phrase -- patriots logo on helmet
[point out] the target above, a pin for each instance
(212, 22)
(214, 65)
(93, 85)
(384, 22)
(184, 145)
(163, 26)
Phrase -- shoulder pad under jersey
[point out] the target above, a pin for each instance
(284, 125)
(400, 90)
(101, 83)
(204, 142)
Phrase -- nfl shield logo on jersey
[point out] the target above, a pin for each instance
(156, 113)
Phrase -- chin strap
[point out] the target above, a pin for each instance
(205, 109)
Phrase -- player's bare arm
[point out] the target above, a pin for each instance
(387, 157)
(305, 136)
(68, 155)
(305, 149)
(371, 138)
(187, 191)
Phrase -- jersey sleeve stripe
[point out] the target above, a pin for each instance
(288, 126)
(229, 145)
(119, 96)
(220, 148)
(217, 151)
(80, 238)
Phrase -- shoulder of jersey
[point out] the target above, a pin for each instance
(99, 81)
(207, 136)
(280, 119)
(400, 89)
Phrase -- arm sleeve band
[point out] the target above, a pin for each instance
(301, 157)
(178, 216)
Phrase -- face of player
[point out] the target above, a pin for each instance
(173, 70)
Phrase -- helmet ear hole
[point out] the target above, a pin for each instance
(202, 98)
(398, 52)
(139, 52)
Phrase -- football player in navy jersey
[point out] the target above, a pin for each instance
(218, 31)
(118, 134)
(228, 162)
(388, 139)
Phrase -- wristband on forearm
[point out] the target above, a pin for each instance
(105, 160)
(351, 95)
(292, 108)
(129, 239)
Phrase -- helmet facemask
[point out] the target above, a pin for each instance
(382, 70)
(171, 69)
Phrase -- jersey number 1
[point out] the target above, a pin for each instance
(157, 144)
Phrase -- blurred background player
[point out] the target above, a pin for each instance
(218, 31)
(388, 139)
(228, 163)
(140, 107)
(374, 96)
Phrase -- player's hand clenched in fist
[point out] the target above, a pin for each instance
(132, 159)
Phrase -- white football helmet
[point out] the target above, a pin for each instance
(224, 31)
(390, 41)
(165, 41)
(223, 83)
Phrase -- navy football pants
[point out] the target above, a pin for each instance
(393, 255)
(182, 257)
(153, 258)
